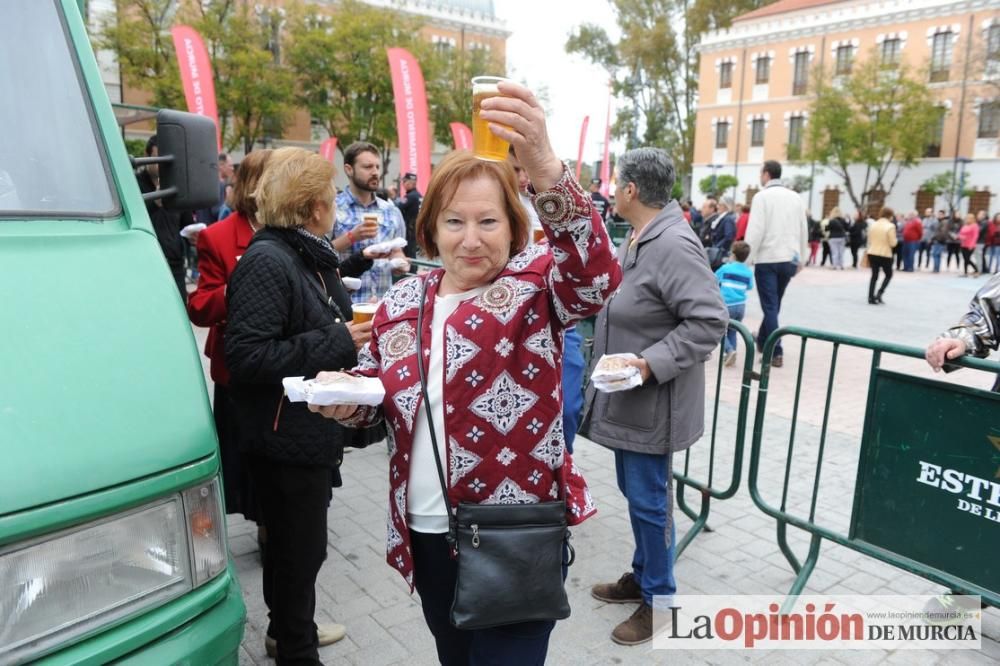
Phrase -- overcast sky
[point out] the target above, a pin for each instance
(536, 54)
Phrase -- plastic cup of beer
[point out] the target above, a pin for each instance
(486, 145)
(363, 312)
(370, 220)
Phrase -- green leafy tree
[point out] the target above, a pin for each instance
(448, 75)
(138, 32)
(653, 67)
(714, 187)
(254, 90)
(342, 71)
(878, 118)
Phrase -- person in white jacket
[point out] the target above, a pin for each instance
(778, 236)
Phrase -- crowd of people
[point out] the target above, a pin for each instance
(479, 358)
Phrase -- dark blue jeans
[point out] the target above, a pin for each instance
(772, 279)
(645, 481)
(435, 573)
(736, 313)
(909, 254)
(572, 381)
(936, 250)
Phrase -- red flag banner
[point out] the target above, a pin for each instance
(196, 74)
(328, 149)
(583, 139)
(411, 116)
(606, 162)
(462, 135)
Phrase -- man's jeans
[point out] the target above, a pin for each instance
(936, 250)
(572, 381)
(736, 313)
(772, 279)
(646, 483)
(909, 254)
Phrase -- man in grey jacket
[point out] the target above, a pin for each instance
(668, 311)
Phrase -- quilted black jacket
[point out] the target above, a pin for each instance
(286, 308)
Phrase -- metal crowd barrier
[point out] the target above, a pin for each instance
(927, 491)
(707, 488)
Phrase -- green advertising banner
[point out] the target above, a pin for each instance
(928, 485)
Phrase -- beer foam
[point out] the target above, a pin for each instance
(485, 88)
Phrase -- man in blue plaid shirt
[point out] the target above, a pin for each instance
(363, 166)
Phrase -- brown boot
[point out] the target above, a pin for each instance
(625, 591)
(637, 629)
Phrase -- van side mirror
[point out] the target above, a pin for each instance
(191, 140)
(189, 167)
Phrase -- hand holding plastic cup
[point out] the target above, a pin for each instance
(485, 144)
(363, 312)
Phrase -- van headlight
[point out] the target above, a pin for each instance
(55, 589)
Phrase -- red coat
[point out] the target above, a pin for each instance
(502, 388)
(219, 248)
(741, 226)
(913, 231)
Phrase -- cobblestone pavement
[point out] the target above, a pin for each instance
(739, 556)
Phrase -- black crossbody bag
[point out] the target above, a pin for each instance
(510, 556)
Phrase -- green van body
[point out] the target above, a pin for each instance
(103, 401)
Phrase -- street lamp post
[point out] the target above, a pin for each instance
(958, 186)
(715, 168)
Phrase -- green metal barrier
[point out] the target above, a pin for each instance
(706, 488)
(924, 444)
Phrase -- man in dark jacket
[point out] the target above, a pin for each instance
(601, 203)
(409, 205)
(166, 223)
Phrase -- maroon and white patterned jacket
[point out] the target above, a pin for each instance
(502, 387)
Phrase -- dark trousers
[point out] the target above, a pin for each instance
(967, 258)
(826, 253)
(435, 573)
(236, 482)
(924, 254)
(953, 251)
(294, 500)
(897, 255)
(772, 279)
(855, 246)
(883, 264)
(177, 271)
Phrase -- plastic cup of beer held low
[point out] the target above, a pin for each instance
(363, 312)
(370, 220)
(485, 144)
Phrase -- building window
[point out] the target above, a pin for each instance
(831, 199)
(993, 42)
(941, 56)
(795, 126)
(936, 137)
(763, 70)
(721, 135)
(726, 75)
(925, 200)
(801, 77)
(845, 58)
(979, 200)
(750, 194)
(890, 52)
(989, 120)
(757, 133)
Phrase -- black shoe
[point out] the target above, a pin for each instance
(872, 301)
(777, 361)
(878, 299)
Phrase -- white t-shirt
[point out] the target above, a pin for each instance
(426, 510)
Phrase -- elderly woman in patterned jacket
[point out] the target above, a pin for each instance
(494, 317)
(976, 333)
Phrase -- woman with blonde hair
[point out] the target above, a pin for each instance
(968, 236)
(290, 315)
(837, 230)
(881, 241)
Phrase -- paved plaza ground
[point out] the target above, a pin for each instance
(740, 556)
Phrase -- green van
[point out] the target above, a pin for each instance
(112, 531)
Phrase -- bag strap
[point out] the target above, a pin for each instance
(315, 279)
(452, 536)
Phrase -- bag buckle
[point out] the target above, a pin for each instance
(475, 536)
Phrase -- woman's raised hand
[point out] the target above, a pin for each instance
(516, 116)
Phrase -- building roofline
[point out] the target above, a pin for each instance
(832, 18)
